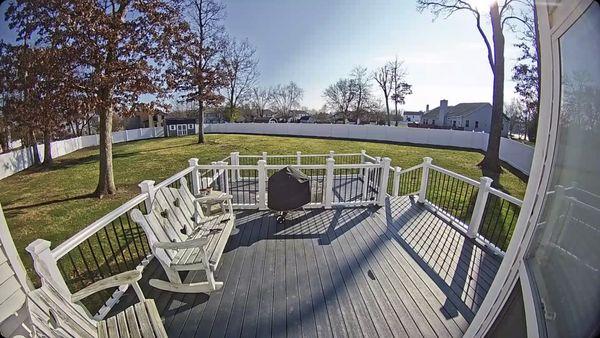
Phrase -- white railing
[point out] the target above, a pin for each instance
(483, 212)
(355, 179)
(110, 245)
(115, 244)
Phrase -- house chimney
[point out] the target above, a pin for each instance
(426, 109)
(442, 113)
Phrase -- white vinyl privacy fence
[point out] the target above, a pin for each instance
(512, 152)
(22, 159)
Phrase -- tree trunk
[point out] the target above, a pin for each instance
(47, 149)
(387, 109)
(536, 115)
(201, 121)
(490, 165)
(33, 145)
(106, 181)
(4, 142)
(396, 111)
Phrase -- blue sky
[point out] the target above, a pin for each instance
(316, 42)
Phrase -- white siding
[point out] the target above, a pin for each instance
(14, 286)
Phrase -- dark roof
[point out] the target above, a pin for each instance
(414, 113)
(461, 109)
(179, 120)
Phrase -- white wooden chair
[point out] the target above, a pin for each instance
(55, 316)
(56, 312)
(182, 238)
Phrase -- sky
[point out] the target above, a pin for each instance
(316, 42)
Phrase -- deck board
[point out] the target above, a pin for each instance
(399, 270)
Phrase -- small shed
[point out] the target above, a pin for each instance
(180, 127)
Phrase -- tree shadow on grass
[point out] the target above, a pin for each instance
(14, 210)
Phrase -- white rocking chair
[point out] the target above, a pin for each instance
(182, 238)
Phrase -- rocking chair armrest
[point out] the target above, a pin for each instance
(190, 243)
(204, 200)
(128, 277)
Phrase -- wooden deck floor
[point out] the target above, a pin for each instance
(393, 271)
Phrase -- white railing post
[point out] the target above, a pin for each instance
(147, 186)
(328, 191)
(424, 179)
(396, 186)
(193, 162)
(235, 161)
(264, 156)
(299, 158)
(361, 172)
(331, 154)
(384, 177)
(262, 185)
(225, 176)
(377, 159)
(46, 267)
(484, 189)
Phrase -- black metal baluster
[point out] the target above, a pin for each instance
(106, 261)
(113, 251)
(94, 257)
(127, 245)
(119, 246)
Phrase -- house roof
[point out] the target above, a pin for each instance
(461, 109)
(179, 120)
(413, 113)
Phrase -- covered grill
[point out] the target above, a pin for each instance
(288, 189)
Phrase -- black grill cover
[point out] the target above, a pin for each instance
(289, 189)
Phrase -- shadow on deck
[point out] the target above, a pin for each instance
(392, 271)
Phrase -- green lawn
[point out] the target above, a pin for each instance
(54, 203)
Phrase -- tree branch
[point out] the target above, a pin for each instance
(486, 41)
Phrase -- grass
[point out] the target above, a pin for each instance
(55, 203)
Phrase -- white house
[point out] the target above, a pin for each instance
(472, 116)
(413, 116)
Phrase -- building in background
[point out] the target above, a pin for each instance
(145, 120)
(180, 127)
(413, 116)
(471, 116)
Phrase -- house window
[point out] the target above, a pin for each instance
(476, 124)
(432, 121)
(190, 126)
(467, 123)
(454, 124)
(172, 127)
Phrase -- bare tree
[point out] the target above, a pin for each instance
(196, 60)
(499, 14)
(240, 66)
(285, 98)
(526, 73)
(383, 77)
(400, 88)
(261, 97)
(340, 96)
(362, 87)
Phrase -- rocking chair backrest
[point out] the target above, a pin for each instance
(54, 316)
(171, 218)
